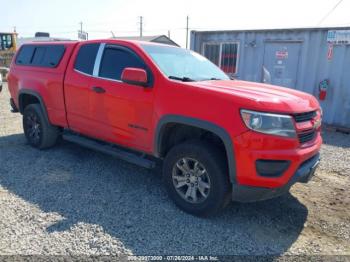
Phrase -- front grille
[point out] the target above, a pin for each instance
(303, 117)
(306, 136)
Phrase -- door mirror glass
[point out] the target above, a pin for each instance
(135, 76)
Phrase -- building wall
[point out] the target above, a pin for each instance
(307, 53)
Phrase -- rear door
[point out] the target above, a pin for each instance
(281, 62)
(78, 91)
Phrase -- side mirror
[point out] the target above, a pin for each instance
(135, 76)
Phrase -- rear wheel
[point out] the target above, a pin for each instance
(196, 178)
(38, 131)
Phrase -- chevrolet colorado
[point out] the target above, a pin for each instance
(219, 139)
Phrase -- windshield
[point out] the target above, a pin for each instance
(184, 65)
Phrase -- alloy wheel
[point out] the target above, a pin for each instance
(191, 180)
(33, 127)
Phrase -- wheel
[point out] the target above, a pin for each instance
(38, 131)
(196, 178)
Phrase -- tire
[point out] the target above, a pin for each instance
(37, 129)
(211, 170)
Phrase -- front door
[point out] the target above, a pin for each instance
(281, 61)
(121, 113)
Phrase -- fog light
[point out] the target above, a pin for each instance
(271, 168)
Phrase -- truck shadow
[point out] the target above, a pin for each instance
(131, 205)
(336, 139)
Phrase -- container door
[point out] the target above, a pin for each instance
(281, 60)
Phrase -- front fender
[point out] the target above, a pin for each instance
(205, 125)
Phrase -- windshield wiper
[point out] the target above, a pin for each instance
(213, 78)
(183, 79)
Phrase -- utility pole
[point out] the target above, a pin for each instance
(187, 18)
(169, 33)
(81, 34)
(141, 25)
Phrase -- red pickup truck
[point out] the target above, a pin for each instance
(220, 139)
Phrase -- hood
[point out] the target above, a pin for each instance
(262, 97)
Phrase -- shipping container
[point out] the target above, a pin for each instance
(313, 60)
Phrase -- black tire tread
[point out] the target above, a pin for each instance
(50, 133)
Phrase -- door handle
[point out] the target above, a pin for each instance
(98, 90)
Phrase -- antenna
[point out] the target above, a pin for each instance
(141, 25)
(187, 18)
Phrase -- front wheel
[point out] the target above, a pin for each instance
(196, 178)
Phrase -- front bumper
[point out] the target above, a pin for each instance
(251, 147)
(303, 174)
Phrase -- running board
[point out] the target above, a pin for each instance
(110, 150)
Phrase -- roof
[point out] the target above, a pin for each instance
(60, 42)
(275, 29)
(38, 40)
(110, 41)
(163, 39)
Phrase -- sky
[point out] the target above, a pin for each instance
(61, 18)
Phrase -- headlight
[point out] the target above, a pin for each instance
(273, 124)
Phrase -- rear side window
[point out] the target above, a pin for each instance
(114, 61)
(25, 55)
(40, 55)
(53, 55)
(85, 60)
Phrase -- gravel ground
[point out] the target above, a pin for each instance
(72, 201)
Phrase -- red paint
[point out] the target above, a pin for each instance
(135, 75)
(71, 103)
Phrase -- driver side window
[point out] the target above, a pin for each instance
(115, 60)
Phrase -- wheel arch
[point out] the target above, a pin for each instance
(35, 97)
(197, 123)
